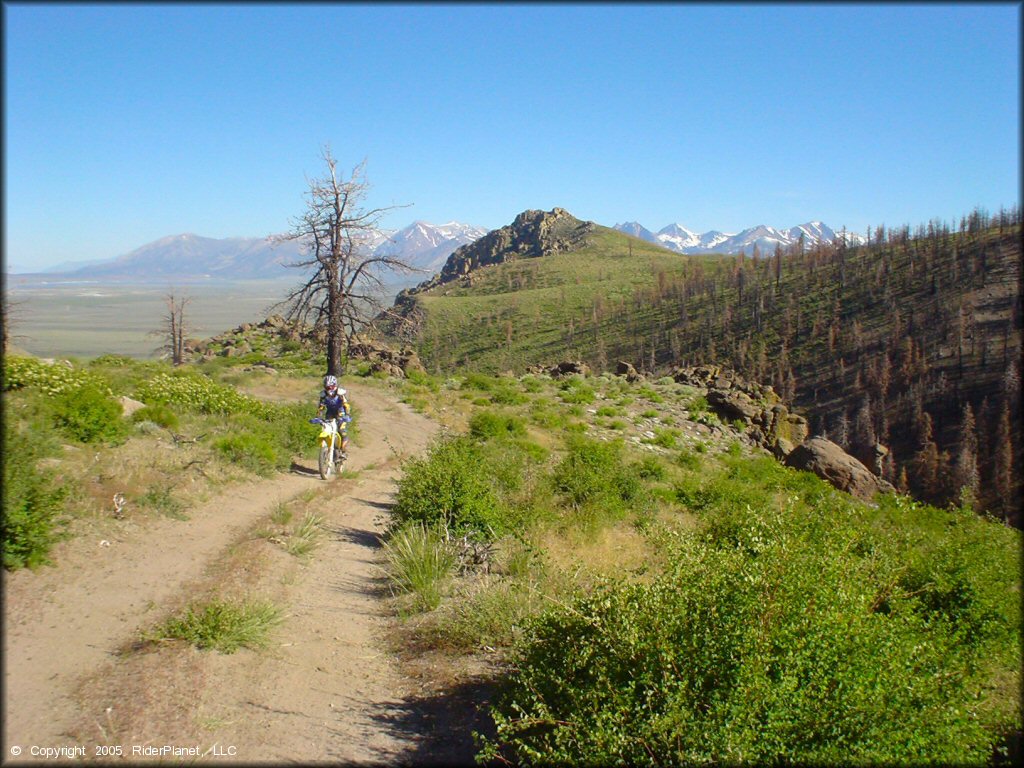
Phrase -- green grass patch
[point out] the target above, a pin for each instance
(306, 536)
(157, 414)
(419, 563)
(224, 626)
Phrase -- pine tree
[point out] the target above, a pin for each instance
(965, 468)
(1002, 475)
(841, 431)
(864, 437)
(925, 464)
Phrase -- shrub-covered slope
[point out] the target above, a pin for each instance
(911, 341)
(652, 593)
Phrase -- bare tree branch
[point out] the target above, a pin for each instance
(337, 233)
(174, 328)
(14, 313)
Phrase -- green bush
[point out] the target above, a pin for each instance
(111, 361)
(158, 414)
(698, 407)
(800, 637)
(480, 381)
(266, 440)
(450, 487)
(688, 460)
(488, 424)
(577, 391)
(530, 383)
(198, 393)
(592, 473)
(650, 394)
(251, 451)
(666, 438)
(531, 450)
(507, 394)
(288, 427)
(650, 468)
(32, 502)
(49, 378)
(546, 415)
(90, 415)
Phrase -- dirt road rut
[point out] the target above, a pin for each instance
(325, 691)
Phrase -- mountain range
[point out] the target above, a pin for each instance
(424, 246)
(678, 238)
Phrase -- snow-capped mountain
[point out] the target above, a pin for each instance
(636, 230)
(189, 256)
(428, 246)
(678, 238)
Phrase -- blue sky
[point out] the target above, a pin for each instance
(126, 123)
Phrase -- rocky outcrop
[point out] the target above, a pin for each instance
(831, 463)
(405, 319)
(384, 359)
(765, 419)
(278, 334)
(565, 368)
(622, 368)
(266, 335)
(531, 234)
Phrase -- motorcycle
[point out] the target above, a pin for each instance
(332, 434)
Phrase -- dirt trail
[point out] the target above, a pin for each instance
(329, 693)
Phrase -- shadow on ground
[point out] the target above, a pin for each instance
(441, 724)
(298, 469)
(358, 536)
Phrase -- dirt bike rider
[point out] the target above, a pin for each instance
(333, 400)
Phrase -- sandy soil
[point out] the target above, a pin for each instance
(326, 690)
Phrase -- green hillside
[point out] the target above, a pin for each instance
(891, 343)
(541, 310)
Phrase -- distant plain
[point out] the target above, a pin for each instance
(86, 319)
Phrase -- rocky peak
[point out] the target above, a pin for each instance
(533, 233)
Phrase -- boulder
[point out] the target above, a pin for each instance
(781, 448)
(831, 463)
(385, 360)
(731, 405)
(626, 369)
(130, 406)
(569, 368)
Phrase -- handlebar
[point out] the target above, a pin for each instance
(318, 420)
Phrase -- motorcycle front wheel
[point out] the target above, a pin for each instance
(326, 464)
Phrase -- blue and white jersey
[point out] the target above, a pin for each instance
(335, 404)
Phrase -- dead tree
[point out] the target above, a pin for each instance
(174, 328)
(14, 312)
(345, 290)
